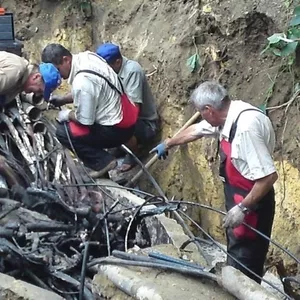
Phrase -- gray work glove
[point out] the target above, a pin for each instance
(234, 217)
(63, 115)
(56, 100)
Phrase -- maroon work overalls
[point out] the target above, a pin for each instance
(243, 243)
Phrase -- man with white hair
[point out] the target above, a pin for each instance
(247, 140)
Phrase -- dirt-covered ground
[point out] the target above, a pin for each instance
(162, 34)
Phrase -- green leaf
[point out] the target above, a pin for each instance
(295, 21)
(289, 49)
(275, 38)
(263, 107)
(291, 60)
(297, 11)
(294, 33)
(297, 87)
(276, 51)
(193, 62)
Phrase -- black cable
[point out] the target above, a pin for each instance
(151, 178)
(250, 227)
(110, 186)
(162, 194)
(104, 208)
(83, 270)
(291, 279)
(163, 266)
(232, 257)
(132, 219)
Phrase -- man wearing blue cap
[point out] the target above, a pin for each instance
(18, 75)
(138, 90)
(102, 116)
(43, 80)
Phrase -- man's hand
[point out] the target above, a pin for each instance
(161, 150)
(63, 115)
(234, 217)
(57, 100)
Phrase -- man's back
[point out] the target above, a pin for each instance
(106, 104)
(14, 71)
(138, 89)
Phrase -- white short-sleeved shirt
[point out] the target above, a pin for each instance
(94, 100)
(254, 141)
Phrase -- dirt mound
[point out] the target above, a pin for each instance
(162, 35)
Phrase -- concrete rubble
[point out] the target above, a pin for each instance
(120, 282)
(13, 289)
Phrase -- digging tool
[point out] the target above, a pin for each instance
(135, 178)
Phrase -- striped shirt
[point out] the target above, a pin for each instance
(94, 100)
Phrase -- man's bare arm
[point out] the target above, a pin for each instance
(67, 99)
(261, 187)
(186, 136)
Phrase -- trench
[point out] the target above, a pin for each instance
(239, 36)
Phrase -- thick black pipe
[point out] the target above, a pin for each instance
(155, 257)
(171, 259)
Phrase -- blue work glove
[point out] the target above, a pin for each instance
(161, 150)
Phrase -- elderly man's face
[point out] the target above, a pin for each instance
(34, 84)
(211, 115)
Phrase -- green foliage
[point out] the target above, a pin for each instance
(83, 6)
(193, 62)
(285, 44)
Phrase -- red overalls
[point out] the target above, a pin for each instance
(130, 111)
(243, 243)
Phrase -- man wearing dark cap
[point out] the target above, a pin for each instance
(138, 90)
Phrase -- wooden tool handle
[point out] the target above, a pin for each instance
(155, 157)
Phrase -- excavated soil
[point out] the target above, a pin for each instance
(162, 34)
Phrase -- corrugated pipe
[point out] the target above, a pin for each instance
(39, 127)
(32, 99)
(33, 112)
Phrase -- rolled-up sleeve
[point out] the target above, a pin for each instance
(252, 148)
(134, 87)
(203, 128)
(83, 92)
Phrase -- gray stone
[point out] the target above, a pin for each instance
(13, 289)
(243, 287)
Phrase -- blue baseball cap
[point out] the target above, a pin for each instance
(109, 52)
(51, 77)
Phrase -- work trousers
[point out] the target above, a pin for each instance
(90, 147)
(251, 249)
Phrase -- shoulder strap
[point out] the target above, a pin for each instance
(234, 125)
(103, 77)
